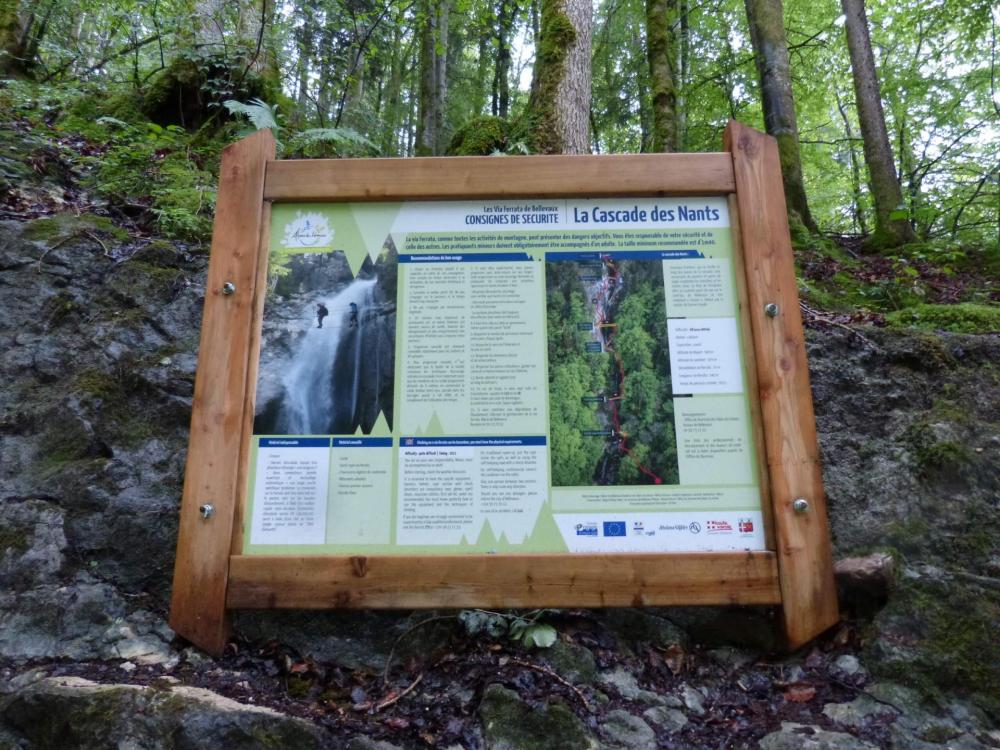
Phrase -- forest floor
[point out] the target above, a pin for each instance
(721, 697)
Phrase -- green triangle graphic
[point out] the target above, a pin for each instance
(381, 426)
(486, 538)
(434, 428)
(545, 537)
(374, 220)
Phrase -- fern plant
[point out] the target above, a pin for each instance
(314, 142)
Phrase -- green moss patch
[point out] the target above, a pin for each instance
(63, 226)
(510, 722)
(480, 137)
(967, 317)
(939, 637)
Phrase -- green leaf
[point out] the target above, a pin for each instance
(538, 635)
(260, 114)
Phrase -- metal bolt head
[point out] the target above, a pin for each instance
(229, 288)
(800, 505)
(207, 511)
(771, 310)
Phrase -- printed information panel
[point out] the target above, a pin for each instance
(502, 376)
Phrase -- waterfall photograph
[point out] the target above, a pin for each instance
(328, 345)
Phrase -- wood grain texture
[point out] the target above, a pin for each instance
(197, 608)
(805, 565)
(503, 581)
(471, 177)
(253, 370)
(750, 372)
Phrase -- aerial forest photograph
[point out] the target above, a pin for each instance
(132, 344)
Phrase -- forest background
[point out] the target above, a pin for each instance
(887, 117)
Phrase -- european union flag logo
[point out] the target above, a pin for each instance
(614, 528)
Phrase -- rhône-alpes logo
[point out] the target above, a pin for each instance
(308, 230)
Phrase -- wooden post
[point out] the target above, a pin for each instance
(201, 571)
(805, 564)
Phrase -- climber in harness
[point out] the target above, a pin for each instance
(321, 312)
(353, 320)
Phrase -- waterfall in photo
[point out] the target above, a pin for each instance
(323, 382)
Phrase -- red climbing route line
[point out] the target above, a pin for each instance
(608, 330)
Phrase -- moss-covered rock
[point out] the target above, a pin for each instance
(938, 635)
(60, 712)
(62, 227)
(967, 317)
(511, 724)
(480, 137)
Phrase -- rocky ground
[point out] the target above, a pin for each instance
(97, 360)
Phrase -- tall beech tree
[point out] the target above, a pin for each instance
(767, 33)
(433, 78)
(559, 106)
(889, 230)
(663, 90)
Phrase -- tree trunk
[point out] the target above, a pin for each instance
(859, 212)
(501, 76)
(11, 33)
(433, 79)
(683, 58)
(559, 105)
(767, 34)
(659, 45)
(885, 189)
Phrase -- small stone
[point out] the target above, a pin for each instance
(127, 667)
(622, 681)
(857, 712)
(668, 719)
(847, 664)
(793, 736)
(732, 658)
(166, 361)
(366, 743)
(694, 700)
(621, 730)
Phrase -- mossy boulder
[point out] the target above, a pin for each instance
(511, 724)
(60, 712)
(188, 92)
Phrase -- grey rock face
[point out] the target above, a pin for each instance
(73, 712)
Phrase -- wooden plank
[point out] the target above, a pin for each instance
(805, 564)
(750, 372)
(253, 370)
(472, 177)
(502, 581)
(197, 608)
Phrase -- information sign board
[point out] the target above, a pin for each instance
(561, 381)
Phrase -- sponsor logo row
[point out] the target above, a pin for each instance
(744, 527)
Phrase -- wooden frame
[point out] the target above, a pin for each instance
(211, 575)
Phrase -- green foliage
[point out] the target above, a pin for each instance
(520, 628)
(329, 142)
(158, 166)
(260, 114)
(314, 142)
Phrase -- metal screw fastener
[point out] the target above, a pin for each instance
(229, 288)
(771, 310)
(801, 505)
(207, 511)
